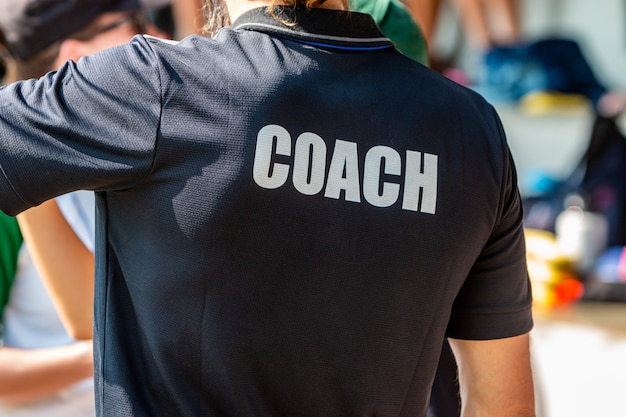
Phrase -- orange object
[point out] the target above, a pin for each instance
(568, 290)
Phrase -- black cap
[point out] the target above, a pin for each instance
(29, 26)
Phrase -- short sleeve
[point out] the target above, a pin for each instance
(91, 125)
(496, 299)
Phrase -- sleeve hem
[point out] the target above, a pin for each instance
(489, 326)
(10, 206)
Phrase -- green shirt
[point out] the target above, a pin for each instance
(10, 243)
(397, 24)
(375, 8)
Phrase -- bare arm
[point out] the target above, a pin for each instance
(64, 263)
(495, 377)
(30, 374)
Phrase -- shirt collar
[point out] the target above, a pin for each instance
(320, 27)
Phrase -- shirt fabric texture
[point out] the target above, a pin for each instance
(216, 295)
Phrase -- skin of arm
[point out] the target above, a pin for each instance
(495, 377)
(66, 266)
(28, 375)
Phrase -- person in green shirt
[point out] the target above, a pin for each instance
(10, 243)
(395, 20)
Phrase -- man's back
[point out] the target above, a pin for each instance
(303, 205)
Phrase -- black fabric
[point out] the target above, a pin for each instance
(231, 279)
(445, 400)
(347, 29)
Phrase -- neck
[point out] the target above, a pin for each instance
(238, 7)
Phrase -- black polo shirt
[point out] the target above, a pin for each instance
(292, 216)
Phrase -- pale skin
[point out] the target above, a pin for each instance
(58, 252)
(30, 374)
(495, 375)
(66, 266)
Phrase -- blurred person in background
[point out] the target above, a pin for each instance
(486, 23)
(10, 244)
(43, 370)
(397, 23)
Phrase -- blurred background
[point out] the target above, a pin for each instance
(579, 343)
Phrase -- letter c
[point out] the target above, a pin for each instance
(264, 173)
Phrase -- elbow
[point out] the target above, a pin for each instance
(78, 333)
(79, 328)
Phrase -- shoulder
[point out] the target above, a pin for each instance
(193, 50)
